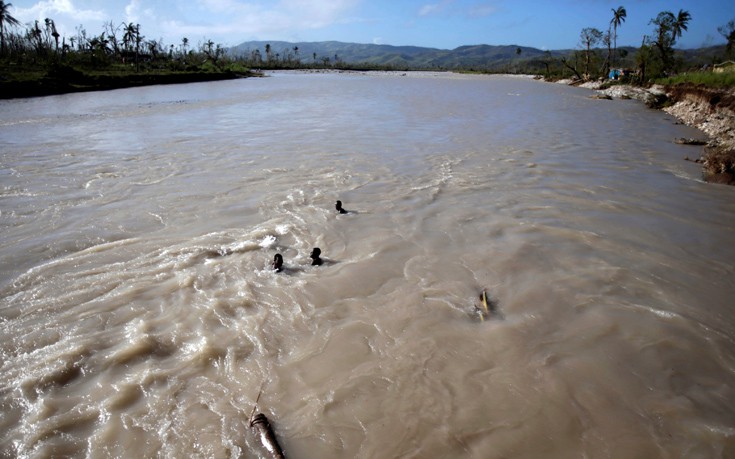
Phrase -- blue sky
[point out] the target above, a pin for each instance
(444, 24)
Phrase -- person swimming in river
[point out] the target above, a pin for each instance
(339, 208)
(315, 260)
(278, 263)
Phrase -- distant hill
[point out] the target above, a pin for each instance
(480, 56)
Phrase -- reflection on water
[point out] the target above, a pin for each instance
(139, 315)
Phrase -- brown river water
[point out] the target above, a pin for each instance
(139, 316)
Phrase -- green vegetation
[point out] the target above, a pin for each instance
(657, 52)
(589, 37)
(728, 31)
(656, 60)
(710, 79)
(655, 57)
(39, 61)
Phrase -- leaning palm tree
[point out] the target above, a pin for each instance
(5, 18)
(619, 16)
(680, 23)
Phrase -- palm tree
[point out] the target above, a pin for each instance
(5, 18)
(52, 32)
(138, 41)
(35, 36)
(619, 16)
(680, 23)
(128, 35)
(132, 40)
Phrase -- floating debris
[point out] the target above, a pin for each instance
(487, 309)
(698, 160)
(267, 437)
(260, 423)
(689, 141)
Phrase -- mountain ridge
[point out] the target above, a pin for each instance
(481, 55)
(484, 57)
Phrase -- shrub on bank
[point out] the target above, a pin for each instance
(719, 165)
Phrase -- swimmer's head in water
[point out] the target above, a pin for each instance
(339, 208)
(278, 263)
(315, 260)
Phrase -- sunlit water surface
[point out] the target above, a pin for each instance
(139, 316)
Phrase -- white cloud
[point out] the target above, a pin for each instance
(300, 13)
(260, 19)
(313, 14)
(482, 10)
(65, 14)
(429, 9)
(135, 13)
(53, 8)
(434, 8)
(226, 21)
(448, 7)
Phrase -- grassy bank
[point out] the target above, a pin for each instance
(709, 79)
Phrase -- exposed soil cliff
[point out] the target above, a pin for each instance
(712, 111)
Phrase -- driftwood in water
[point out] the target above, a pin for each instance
(488, 309)
(687, 141)
(267, 437)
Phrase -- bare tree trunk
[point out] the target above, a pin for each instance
(573, 69)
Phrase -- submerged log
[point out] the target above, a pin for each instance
(267, 437)
(687, 141)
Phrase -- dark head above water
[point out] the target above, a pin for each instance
(278, 263)
(315, 260)
(339, 208)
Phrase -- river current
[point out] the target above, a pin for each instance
(140, 316)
